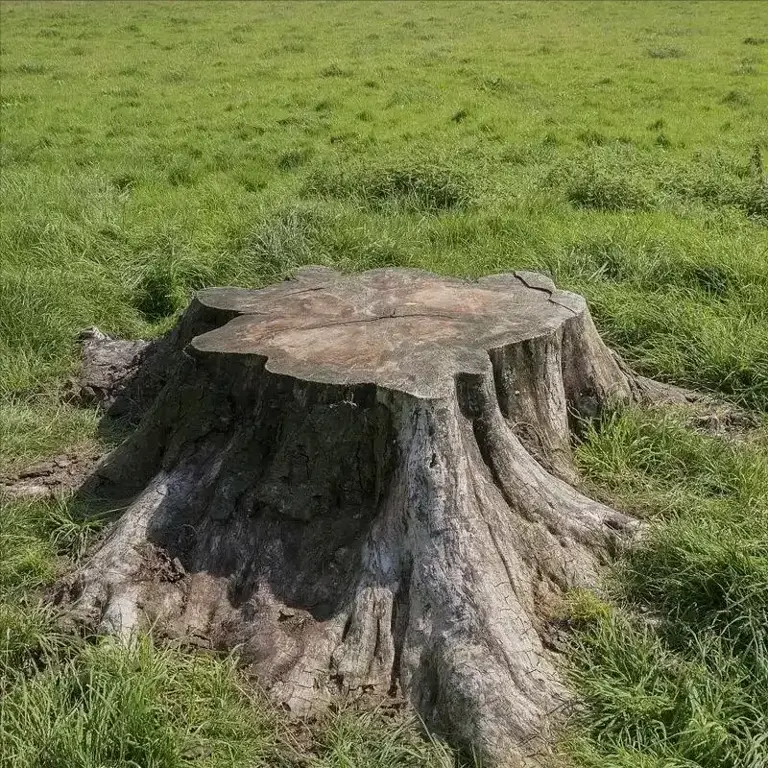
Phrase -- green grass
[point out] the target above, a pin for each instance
(67, 701)
(677, 673)
(151, 149)
(105, 705)
(558, 136)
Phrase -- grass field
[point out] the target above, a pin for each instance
(150, 149)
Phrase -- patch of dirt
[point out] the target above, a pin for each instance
(725, 421)
(157, 564)
(49, 478)
(705, 413)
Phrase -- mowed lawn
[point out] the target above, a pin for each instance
(151, 149)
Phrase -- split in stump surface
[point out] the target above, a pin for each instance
(364, 483)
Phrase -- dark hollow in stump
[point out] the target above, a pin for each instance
(364, 484)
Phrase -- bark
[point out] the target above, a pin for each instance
(365, 484)
(109, 368)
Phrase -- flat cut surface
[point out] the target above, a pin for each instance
(402, 329)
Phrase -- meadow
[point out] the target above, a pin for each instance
(151, 149)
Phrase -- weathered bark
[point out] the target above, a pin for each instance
(109, 366)
(365, 485)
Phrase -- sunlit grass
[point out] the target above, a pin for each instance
(677, 673)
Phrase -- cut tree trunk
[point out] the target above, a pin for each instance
(365, 485)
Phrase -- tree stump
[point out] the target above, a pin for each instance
(364, 484)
